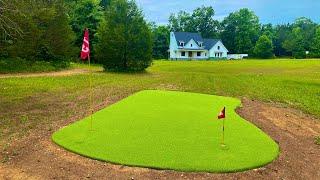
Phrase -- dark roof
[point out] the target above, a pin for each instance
(187, 36)
(209, 43)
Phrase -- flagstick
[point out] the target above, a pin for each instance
(223, 132)
(91, 92)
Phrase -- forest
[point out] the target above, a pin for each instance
(52, 31)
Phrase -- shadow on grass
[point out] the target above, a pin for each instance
(144, 72)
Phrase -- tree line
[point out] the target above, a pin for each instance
(35, 30)
(122, 40)
(242, 32)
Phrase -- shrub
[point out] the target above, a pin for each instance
(19, 65)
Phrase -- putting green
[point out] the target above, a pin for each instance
(170, 130)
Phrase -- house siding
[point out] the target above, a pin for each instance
(215, 50)
(192, 45)
(173, 46)
(203, 55)
(191, 48)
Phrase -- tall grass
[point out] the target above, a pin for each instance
(18, 65)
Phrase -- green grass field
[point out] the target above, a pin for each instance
(170, 130)
(29, 103)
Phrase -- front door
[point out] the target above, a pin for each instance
(190, 54)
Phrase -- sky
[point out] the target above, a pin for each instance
(268, 11)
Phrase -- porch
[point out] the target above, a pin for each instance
(192, 54)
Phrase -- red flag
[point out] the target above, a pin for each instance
(85, 51)
(222, 114)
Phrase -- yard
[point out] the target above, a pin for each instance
(32, 108)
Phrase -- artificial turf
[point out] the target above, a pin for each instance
(170, 130)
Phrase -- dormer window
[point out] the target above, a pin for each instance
(200, 44)
(218, 47)
(181, 43)
(191, 45)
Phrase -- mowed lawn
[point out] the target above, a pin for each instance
(26, 103)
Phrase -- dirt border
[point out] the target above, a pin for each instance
(68, 72)
(39, 158)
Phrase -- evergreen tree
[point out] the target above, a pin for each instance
(160, 35)
(125, 42)
(264, 47)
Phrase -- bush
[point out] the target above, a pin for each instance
(60, 64)
(301, 54)
(18, 65)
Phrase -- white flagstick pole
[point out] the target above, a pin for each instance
(223, 114)
(223, 132)
(91, 91)
(90, 84)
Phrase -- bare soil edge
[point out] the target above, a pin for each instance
(37, 157)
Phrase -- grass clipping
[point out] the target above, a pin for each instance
(170, 130)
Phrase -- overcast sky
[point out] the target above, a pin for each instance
(268, 11)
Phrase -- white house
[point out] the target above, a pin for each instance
(185, 45)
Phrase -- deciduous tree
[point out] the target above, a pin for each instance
(308, 30)
(315, 46)
(264, 47)
(240, 31)
(281, 34)
(294, 43)
(201, 20)
(47, 34)
(160, 35)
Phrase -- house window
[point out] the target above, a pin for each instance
(181, 43)
(205, 54)
(191, 45)
(183, 53)
(218, 47)
(198, 53)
